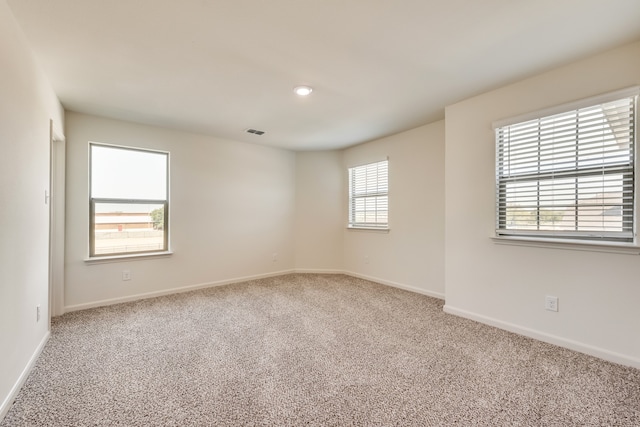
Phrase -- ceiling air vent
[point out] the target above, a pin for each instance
(255, 131)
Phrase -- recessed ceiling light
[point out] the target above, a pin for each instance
(303, 90)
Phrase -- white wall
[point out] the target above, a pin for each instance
(411, 254)
(27, 104)
(505, 285)
(234, 205)
(231, 208)
(320, 181)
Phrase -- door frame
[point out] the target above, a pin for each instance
(57, 154)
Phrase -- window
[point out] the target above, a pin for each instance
(128, 201)
(369, 196)
(569, 175)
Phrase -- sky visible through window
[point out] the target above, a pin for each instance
(128, 192)
(128, 174)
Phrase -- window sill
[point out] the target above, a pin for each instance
(574, 245)
(379, 230)
(131, 257)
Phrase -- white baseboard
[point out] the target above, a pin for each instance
(8, 401)
(397, 285)
(318, 271)
(163, 292)
(548, 338)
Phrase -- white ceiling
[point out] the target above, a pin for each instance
(377, 67)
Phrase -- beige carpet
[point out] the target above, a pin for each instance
(320, 350)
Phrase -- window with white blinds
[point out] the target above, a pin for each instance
(569, 175)
(369, 195)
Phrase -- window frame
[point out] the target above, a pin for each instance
(97, 200)
(352, 224)
(567, 238)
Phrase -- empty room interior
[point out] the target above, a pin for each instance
(319, 212)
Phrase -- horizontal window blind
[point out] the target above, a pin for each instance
(568, 175)
(369, 195)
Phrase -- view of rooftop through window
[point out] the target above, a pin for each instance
(128, 200)
(568, 174)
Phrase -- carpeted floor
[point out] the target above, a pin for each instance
(325, 350)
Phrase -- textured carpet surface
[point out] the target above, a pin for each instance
(325, 350)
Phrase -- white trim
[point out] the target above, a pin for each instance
(569, 106)
(188, 288)
(566, 244)
(397, 285)
(317, 271)
(130, 257)
(368, 163)
(548, 338)
(57, 165)
(378, 229)
(8, 401)
(129, 147)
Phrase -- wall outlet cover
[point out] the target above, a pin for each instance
(551, 303)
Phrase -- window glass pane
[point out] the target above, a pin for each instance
(569, 174)
(126, 228)
(119, 173)
(582, 204)
(368, 195)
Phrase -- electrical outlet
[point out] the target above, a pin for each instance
(274, 257)
(366, 259)
(37, 313)
(126, 275)
(551, 303)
